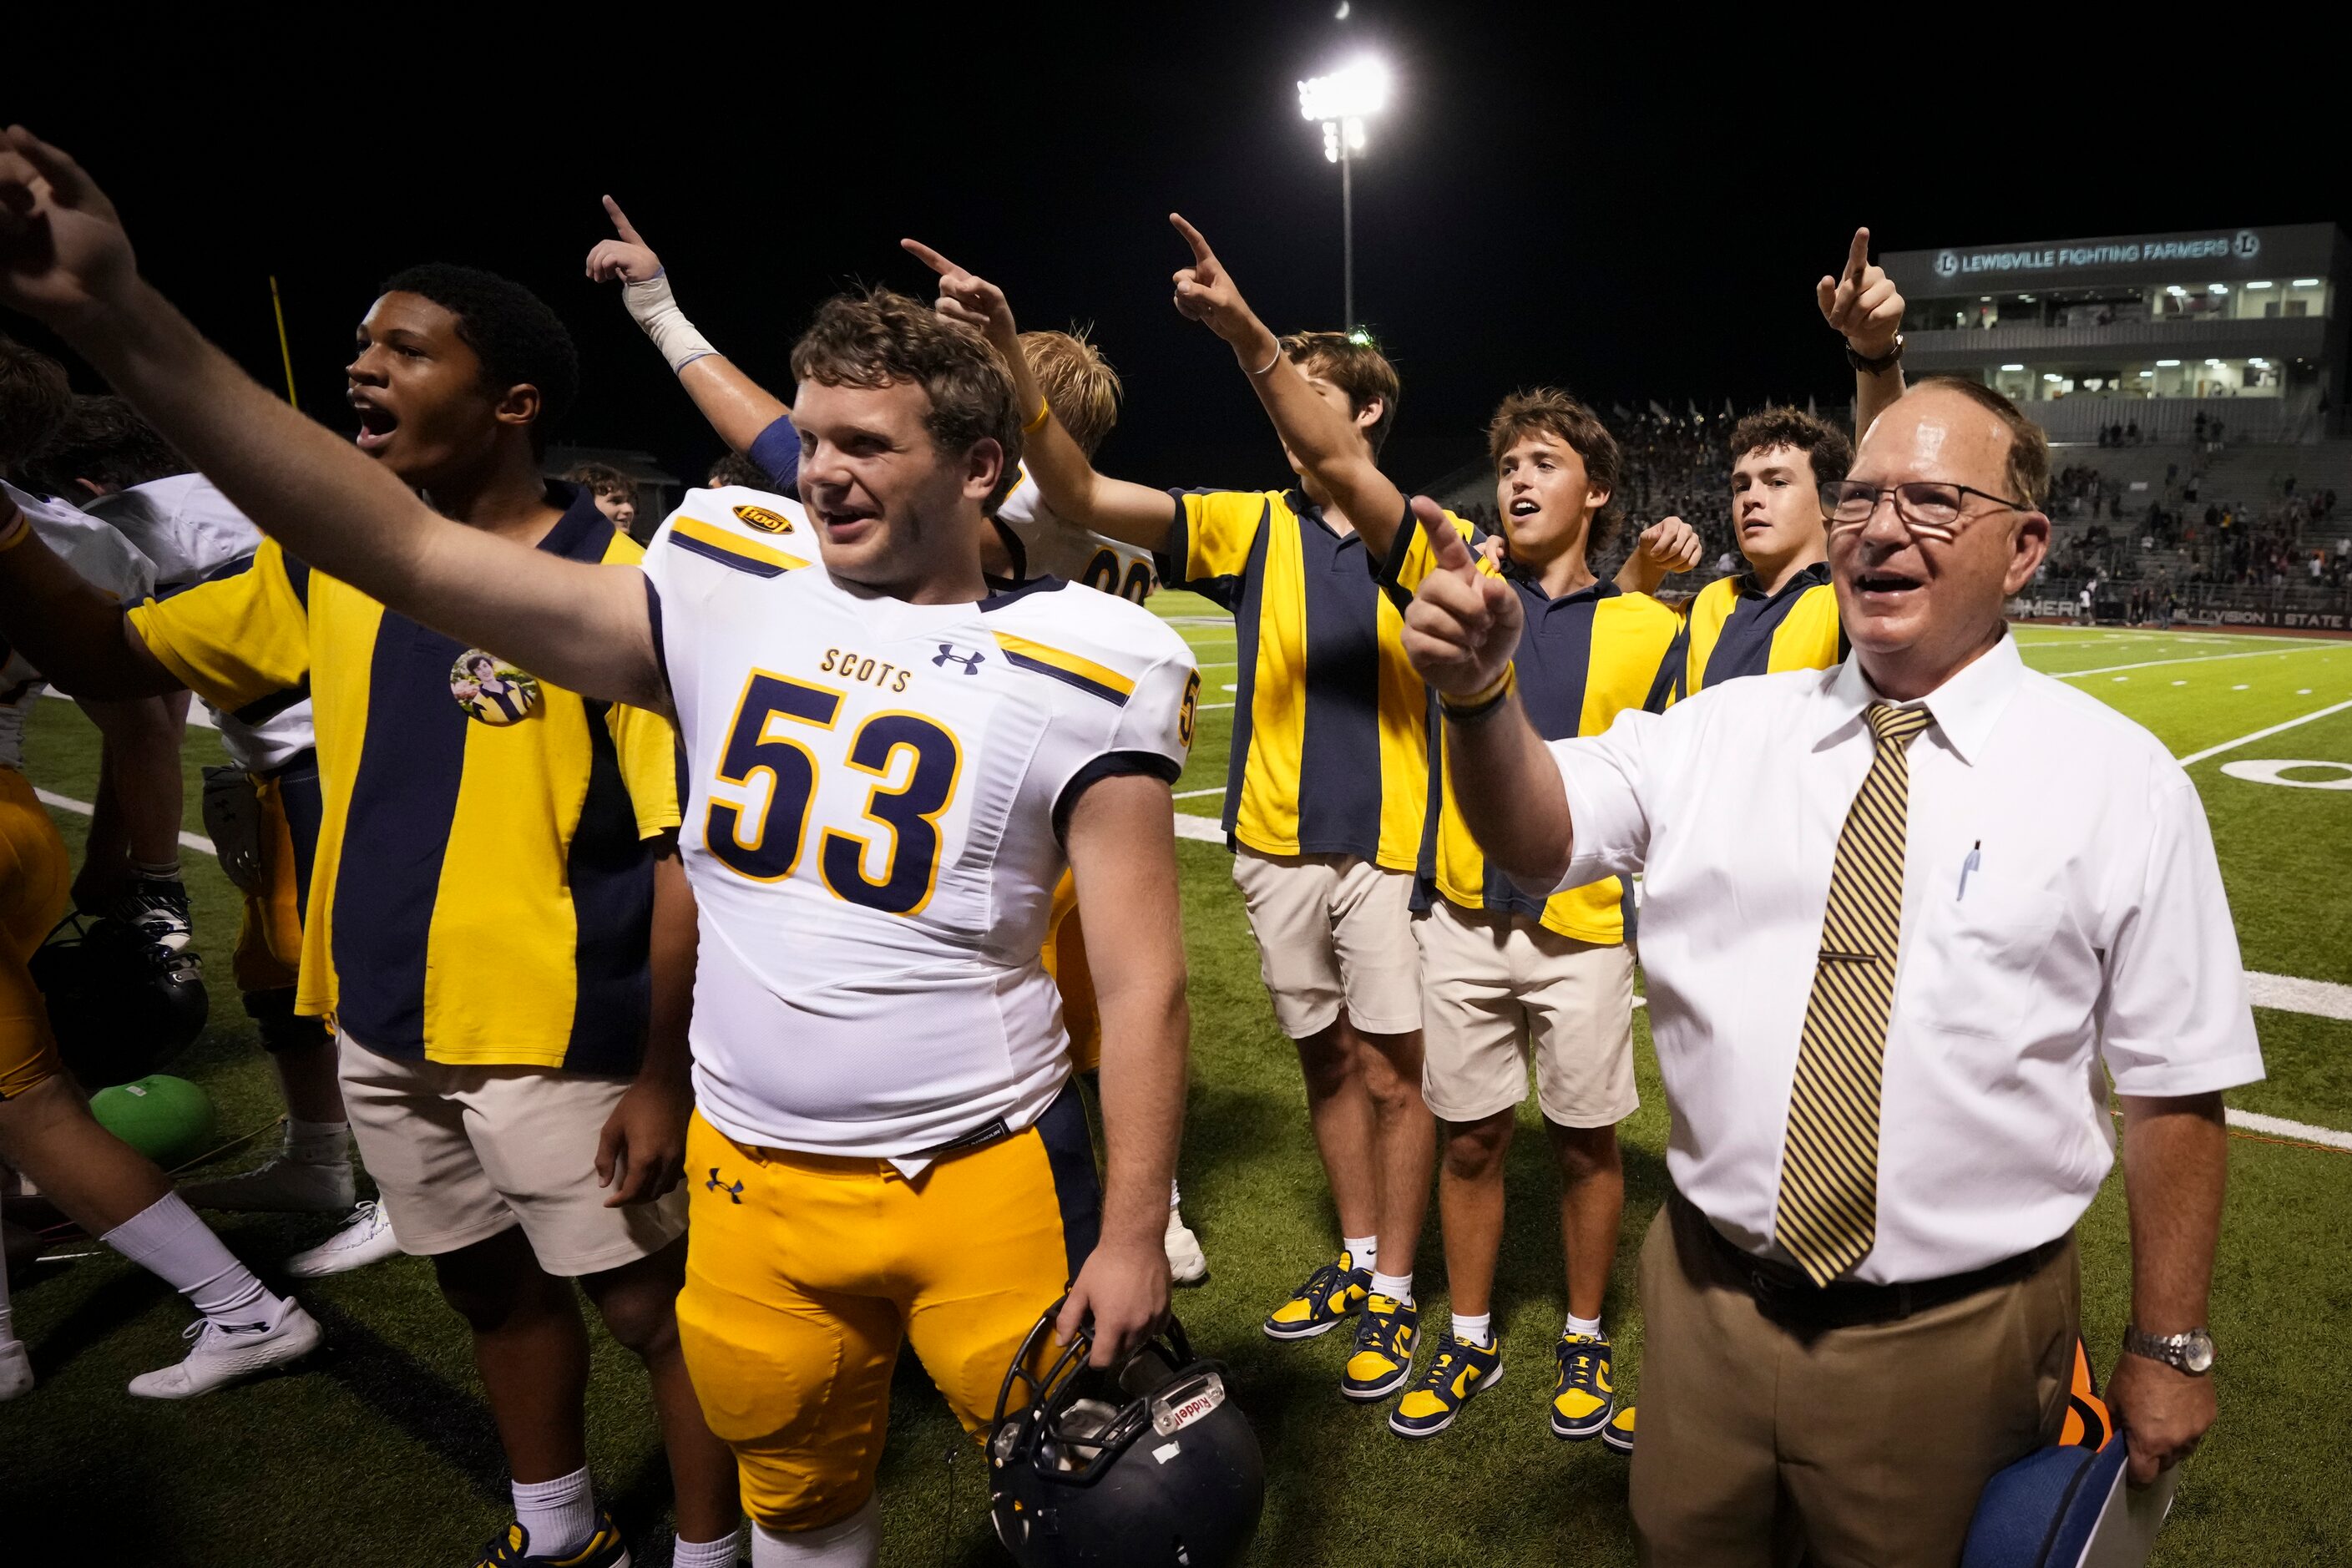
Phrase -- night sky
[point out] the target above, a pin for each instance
(1626, 218)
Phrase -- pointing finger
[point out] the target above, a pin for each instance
(1445, 545)
(621, 224)
(1202, 254)
(1857, 256)
(928, 257)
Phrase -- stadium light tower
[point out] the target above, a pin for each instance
(1341, 101)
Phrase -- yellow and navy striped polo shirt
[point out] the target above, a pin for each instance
(1731, 627)
(1330, 748)
(483, 887)
(1584, 658)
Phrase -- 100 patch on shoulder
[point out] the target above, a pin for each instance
(763, 519)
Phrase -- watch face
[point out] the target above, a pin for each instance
(2197, 1354)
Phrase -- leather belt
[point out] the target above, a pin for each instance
(1788, 1297)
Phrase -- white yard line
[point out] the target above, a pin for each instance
(2192, 658)
(2195, 757)
(1197, 793)
(1200, 829)
(1210, 706)
(65, 803)
(2280, 1127)
(198, 714)
(2321, 998)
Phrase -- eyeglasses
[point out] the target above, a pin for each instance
(1928, 506)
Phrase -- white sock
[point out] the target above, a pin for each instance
(560, 1514)
(1175, 1195)
(169, 1241)
(719, 1553)
(1399, 1286)
(318, 1142)
(1478, 1330)
(854, 1543)
(157, 872)
(1588, 1326)
(1363, 1251)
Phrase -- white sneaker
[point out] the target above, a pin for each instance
(1187, 1264)
(365, 1238)
(221, 1356)
(281, 1186)
(15, 1370)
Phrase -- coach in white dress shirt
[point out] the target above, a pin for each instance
(1901, 920)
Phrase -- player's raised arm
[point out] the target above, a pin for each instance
(1863, 305)
(1066, 477)
(65, 258)
(739, 409)
(1316, 432)
(1667, 545)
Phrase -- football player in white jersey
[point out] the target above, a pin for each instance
(1025, 542)
(262, 813)
(889, 768)
(47, 1130)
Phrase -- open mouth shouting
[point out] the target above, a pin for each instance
(376, 422)
(1887, 588)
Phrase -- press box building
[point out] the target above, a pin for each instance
(2244, 325)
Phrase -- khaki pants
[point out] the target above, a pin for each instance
(1861, 1447)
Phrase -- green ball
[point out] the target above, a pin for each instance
(165, 1118)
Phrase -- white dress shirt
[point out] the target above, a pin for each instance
(2060, 905)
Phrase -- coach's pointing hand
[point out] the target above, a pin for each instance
(1862, 302)
(1464, 625)
(626, 256)
(968, 298)
(63, 253)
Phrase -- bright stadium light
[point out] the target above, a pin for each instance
(2012, 367)
(2259, 285)
(2306, 282)
(2168, 364)
(2217, 287)
(1341, 101)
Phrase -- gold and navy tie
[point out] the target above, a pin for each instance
(1828, 1212)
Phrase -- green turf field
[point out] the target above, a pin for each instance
(386, 1433)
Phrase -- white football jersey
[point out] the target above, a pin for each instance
(1042, 543)
(876, 798)
(103, 557)
(190, 531)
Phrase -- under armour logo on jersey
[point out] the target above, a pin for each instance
(948, 655)
(734, 1192)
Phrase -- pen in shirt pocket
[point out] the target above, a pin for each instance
(1974, 861)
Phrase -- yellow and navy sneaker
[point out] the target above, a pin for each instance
(1438, 1395)
(1619, 1434)
(1581, 1400)
(1385, 1336)
(1332, 1294)
(511, 1549)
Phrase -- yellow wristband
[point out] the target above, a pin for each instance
(1480, 703)
(1045, 412)
(16, 531)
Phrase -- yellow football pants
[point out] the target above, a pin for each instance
(1064, 956)
(33, 873)
(269, 938)
(804, 1272)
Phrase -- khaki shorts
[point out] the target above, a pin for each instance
(1333, 932)
(460, 1154)
(1503, 989)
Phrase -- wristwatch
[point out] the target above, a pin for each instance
(2191, 1352)
(1880, 365)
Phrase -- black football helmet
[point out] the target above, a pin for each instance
(121, 1005)
(1147, 1462)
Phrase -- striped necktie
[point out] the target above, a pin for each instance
(1827, 1213)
